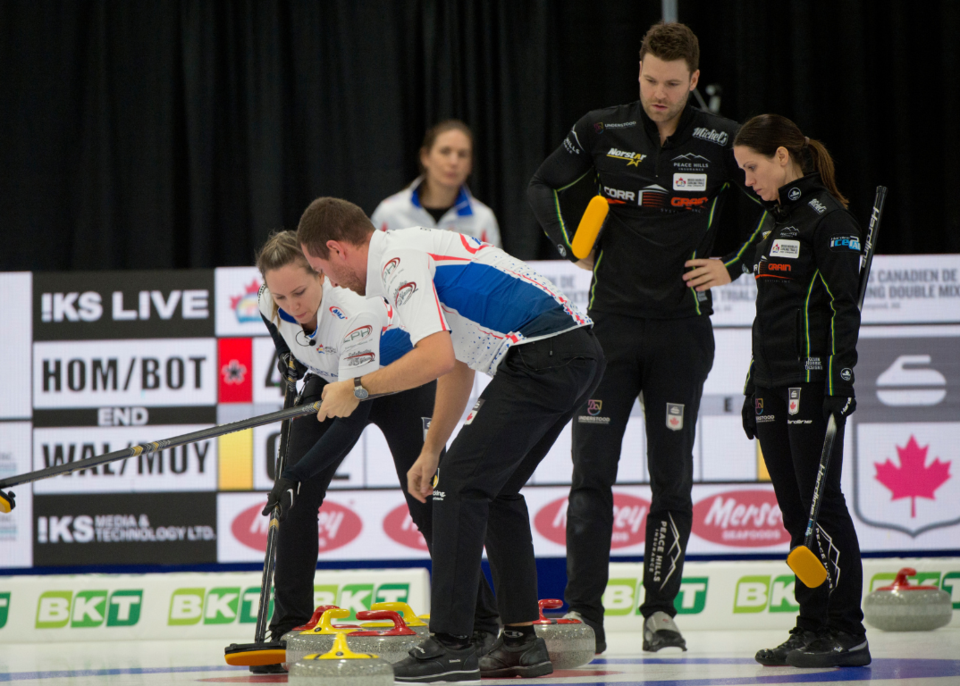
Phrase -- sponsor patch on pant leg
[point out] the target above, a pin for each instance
(674, 416)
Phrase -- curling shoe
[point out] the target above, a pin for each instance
(526, 660)
(597, 629)
(777, 657)
(483, 642)
(834, 649)
(433, 662)
(660, 631)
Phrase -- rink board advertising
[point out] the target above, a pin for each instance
(94, 362)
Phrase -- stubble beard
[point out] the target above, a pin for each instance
(661, 117)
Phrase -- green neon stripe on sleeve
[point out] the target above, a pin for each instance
(833, 336)
(593, 288)
(713, 205)
(563, 227)
(743, 247)
(556, 204)
(806, 317)
(696, 301)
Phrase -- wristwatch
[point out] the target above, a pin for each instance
(359, 391)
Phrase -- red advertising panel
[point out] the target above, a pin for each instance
(235, 365)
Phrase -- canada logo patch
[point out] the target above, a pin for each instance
(793, 402)
(674, 416)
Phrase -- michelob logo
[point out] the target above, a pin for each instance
(360, 597)
(86, 609)
(222, 605)
(4, 608)
(759, 593)
(623, 596)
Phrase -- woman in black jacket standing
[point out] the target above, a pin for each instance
(804, 351)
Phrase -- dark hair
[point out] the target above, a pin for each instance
(430, 138)
(332, 219)
(765, 133)
(670, 42)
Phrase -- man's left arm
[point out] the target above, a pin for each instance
(431, 358)
(741, 261)
(453, 394)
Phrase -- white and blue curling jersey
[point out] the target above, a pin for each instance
(444, 281)
(354, 335)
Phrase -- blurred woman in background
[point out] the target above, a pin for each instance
(439, 197)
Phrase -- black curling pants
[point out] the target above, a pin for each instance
(400, 418)
(667, 360)
(791, 445)
(536, 390)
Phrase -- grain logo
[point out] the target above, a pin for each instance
(87, 609)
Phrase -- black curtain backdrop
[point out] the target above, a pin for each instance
(179, 134)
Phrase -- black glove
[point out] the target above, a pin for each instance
(284, 494)
(749, 416)
(841, 406)
(291, 370)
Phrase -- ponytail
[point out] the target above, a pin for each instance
(765, 133)
(823, 164)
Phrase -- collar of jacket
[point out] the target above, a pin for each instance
(462, 203)
(686, 118)
(794, 194)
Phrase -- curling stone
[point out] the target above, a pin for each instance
(902, 607)
(343, 665)
(570, 642)
(393, 644)
(410, 618)
(313, 621)
(320, 638)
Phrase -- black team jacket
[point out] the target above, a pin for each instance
(664, 203)
(807, 272)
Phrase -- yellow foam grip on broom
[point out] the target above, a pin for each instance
(807, 566)
(590, 225)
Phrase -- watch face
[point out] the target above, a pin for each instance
(358, 390)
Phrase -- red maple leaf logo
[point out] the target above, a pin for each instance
(913, 479)
(250, 289)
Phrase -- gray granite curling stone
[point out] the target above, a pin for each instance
(392, 645)
(342, 667)
(902, 607)
(314, 620)
(570, 642)
(410, 617)
(320, 638)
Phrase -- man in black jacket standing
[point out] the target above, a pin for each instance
(663, 165)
